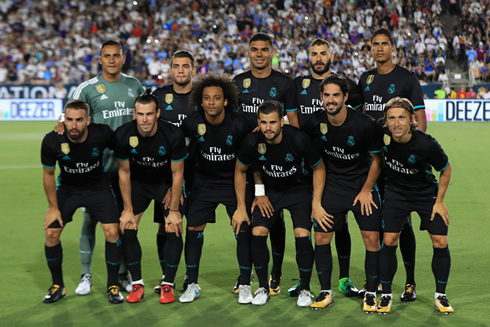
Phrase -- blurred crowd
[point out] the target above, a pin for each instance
(51, 41)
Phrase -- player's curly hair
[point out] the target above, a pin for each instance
(403, 103)
(224, 81)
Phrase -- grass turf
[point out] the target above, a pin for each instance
(26, 278)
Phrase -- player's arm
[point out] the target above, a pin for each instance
(365, 198)
(174, 218)
(49, 184)
(318, 213)
(421, 119)
(440, 207)
(293, 118)
(127, 219)
(261, 200)
(240, 216)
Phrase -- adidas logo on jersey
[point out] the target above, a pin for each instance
(103, 97)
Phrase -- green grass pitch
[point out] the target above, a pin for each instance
(25, 277)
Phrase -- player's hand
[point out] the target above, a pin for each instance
(264, 205)
(239, 217)
(52, 215)
(127, 221)
(59, 128)
(173, 222)
(324, 219)
(366, 201)
(441, 209)
(256, 129)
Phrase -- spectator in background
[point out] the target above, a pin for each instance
(471, 94)
(440, 93)
(462, 93)
(452, 94)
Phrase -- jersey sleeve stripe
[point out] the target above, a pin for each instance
(243, 163)
(48, 166)
(447, 163)
(119, 159)
(177, 160)
(375, 151)
(419, 107)
(316, 163)
(294, 109)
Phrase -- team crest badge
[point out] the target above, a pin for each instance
(100, 88)
(289, 157)
(246, 83)
(411, 159)
(323, 128)
(261, 148)
(386, 139)
(306, 83)
(370, 79)
(133, 141)
(162, 151)
(273, 92)
(95, 152)
(351, 141)
(130, 93)
(169, 97)
(391, 89)
(65, 148)
(201, 129)
(229, 140)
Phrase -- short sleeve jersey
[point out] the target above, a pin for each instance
(254, 91)
(308, 97)
(111, 103)
(174, 107)
(215, 146)
(150, 157)
(409, 165)
(283, 164)
(377, 89)
(346, 148)
(80, 164)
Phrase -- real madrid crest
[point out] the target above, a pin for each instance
(386, 139)
(169, 97)
(370, 79)
(324, 128)
(201, 129)
(133, 141)
(65, 148)
(100, 88)
(306, 83)
(130, 93)
(261, 148)
(246, 83)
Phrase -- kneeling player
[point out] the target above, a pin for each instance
(82, 183)
(410, 186)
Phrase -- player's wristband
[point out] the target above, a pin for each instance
(62, 118)
(259, 190)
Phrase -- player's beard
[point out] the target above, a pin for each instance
(183, 83)
(275, 136)
(325, 69)
(76, 137)
(335, 111)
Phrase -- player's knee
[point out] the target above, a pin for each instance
(260, 231)
(390, 239)
(439, 241)
(52, 236)
(301, 232)
(323, 238)
(111, 232)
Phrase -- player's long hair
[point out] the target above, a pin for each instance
(224, 81)
(404, 103)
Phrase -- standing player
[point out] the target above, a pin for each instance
(259, 84)
(410, 186)
(282, 152)
(216, 132)
(308, 102)
(379, 85)
(82, 183)
(174, 108)
(151, 154)
(111, 97)
(348, 140)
